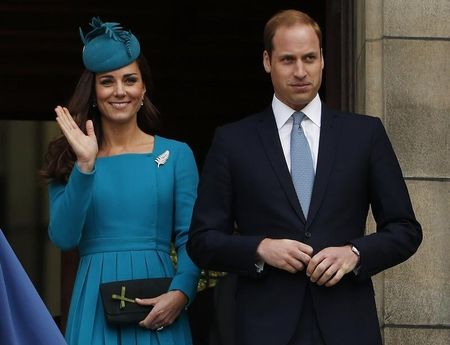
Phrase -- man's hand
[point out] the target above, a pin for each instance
(329, 265)
(288, 255)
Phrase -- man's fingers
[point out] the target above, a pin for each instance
(336, 279)
(285, 254)
(313, 263)
(305, 248)
(327, 274)
(329, 265)
(320, 269)
(295, 264)
(302, 256)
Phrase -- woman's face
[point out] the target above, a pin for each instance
(120, 93)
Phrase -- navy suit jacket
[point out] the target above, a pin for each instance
(246, 194)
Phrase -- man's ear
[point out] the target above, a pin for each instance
(266, 61)
(322, 62)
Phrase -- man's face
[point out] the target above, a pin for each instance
(296, 65)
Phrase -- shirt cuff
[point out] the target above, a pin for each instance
(259, 266)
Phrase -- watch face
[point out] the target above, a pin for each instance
(354, 250)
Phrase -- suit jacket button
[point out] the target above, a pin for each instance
(307, 234)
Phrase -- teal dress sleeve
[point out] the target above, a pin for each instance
(185, 193)
(69, 204)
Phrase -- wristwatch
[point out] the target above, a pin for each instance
(355, 250)
(358, 266)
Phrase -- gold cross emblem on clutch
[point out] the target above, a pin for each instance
(122, 298)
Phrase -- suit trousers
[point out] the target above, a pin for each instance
(307, 331)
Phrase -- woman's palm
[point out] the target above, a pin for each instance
(84, 146)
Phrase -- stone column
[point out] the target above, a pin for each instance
(403, 76)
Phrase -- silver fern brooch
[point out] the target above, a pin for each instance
(162, 158)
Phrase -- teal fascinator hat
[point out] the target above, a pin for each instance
(108, 47)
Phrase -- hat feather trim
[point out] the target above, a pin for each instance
(113, 30)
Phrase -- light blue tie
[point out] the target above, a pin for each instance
(302, 169)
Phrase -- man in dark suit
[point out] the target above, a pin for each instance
(304, 267)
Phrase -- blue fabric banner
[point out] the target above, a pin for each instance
(24, 318)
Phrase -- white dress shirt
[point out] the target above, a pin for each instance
(310, 125)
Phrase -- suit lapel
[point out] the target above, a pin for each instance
(268, 132)
(329, 135)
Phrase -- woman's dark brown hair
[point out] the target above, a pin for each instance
(60, 157)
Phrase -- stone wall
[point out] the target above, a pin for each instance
(403, 76)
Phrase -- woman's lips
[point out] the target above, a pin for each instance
(119, 105)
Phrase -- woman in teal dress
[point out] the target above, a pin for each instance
(121, 194)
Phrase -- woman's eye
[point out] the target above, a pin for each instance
(130, 81)
(105, 82)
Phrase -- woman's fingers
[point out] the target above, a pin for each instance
(90, 128)
(65, 120)
(84, 146)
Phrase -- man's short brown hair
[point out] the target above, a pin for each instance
(287, 18)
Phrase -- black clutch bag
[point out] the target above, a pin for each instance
(118, 298)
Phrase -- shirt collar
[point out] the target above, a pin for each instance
(283, 112)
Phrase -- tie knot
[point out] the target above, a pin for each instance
(298, 117)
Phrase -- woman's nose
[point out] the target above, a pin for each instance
(120, 90)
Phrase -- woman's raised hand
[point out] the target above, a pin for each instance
(83, 145)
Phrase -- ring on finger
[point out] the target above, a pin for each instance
(160, 328)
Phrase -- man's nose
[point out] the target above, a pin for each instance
(300, 71)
